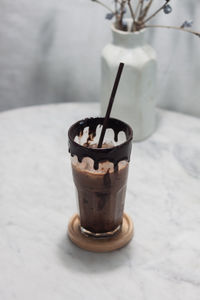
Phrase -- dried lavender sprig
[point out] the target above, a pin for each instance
(173, 27)
(167, 9)
(187, 24)
(156, 12)
(109, 16)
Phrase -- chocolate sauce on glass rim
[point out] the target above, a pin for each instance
(115, 154)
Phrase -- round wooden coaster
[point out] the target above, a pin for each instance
(100, 245)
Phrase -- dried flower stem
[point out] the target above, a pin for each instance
(156, 12)
(141, 9)
(173, 27)
(146, 9)
(131, 10)
(132, 15)
(123, 2)
(116, 12)
(137, 8)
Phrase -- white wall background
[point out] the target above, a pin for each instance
(50, 52)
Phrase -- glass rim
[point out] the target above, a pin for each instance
(114, 154)
(100, 118)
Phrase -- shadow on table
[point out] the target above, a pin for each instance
(159, 119)
(88, 262)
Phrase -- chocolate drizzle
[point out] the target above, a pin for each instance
(114, 154)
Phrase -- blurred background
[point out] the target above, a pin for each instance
(50, 52)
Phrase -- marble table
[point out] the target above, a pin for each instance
(37, 260)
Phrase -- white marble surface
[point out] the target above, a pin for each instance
(38, 262)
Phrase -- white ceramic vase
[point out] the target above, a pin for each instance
(135, 99)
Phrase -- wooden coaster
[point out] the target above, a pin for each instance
(100, 244)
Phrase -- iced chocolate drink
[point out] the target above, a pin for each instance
(101, 195)
(100, 175)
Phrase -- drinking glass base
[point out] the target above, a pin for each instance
(112, 243)
(100, 235)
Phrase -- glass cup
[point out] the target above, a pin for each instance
(100, 174)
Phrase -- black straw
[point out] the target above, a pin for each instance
(109, 108)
